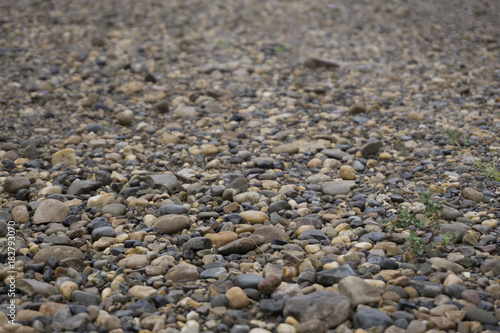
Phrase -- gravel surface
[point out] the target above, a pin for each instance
(233, 166)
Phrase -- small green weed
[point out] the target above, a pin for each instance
(279, 48)
(415, 243)
(223, 41)
(489, 170)
(402, 149)
(457, 137)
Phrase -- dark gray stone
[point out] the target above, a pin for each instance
(370, 318)
(172, 209)
(247, 281)
(332, 276)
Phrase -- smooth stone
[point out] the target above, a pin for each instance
(213, 273)
(269, 284)
(222, 238)
(371, 148)
(85, 298)
(347, 172)
(358, 291)
(242, 245)
(450, 214)
(313, 233)
(66, 156)
(237, 298)
(270, 306)
(101, 200)
(136, 261)
(336, 188)
(287, 148)
(240, 184)
(247, 281)
(484, 317)
(447, 264)
(301, 221)
(114, 209)
(162, 181)
(161, 106)
(427, 288)
(332, 276)
(182, 273)
(472, 194)
(59, 252)
(77, 322)
(20, 214)
(103, 232)
(197, 243)
(331, 308)
(14, 184)
(251, 197)
(492, 265)
(125, 118)
(337, 154)
(52, 211)
(254, 216)
(79, 187)
(279, 205)
(34, 287)
(371, 317)
(271, 233)
(67, 288)
(172, 209)
(49, 309)
(142, 291)
(169, 224)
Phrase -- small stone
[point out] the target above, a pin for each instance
(413, 115)
(67, 288)
(446, 264)
(331, 308)
(114, 209)
(142, 291)
(57, 251)
(209, 150)
(357, 108)
(172, 209)
(347, 172)
(66, 156)
(112, 323)
(103, 232)
(484, 317)
(492, 265)
(222, 238)
(125, 118)
(358, 291)
(14, 184)
(335, 188)
(50, 210)
(77, 322)
(49, 309)
(162, 181)
(20, 214)
(270, 233)
(101, 200)
(332, 276)
(254, 217)
(242, 245)
(185, 112)
(169, 224)
(247, 281)
(368, 318)
(34, 287)
(182, 273)
(450, 213)
(237, 298)
(162, 107)
(287, 148)
(472, 194)
(98, 41)
(79, 187)
(269, 284)
(136, 261)
(371, 148)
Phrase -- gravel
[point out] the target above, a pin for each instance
(211, 166)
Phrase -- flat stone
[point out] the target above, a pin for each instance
(103, 232)
(172, 209)
(472, 194)
(336, 188)
(58, 252)
(331, 308)
(197, 243)
(34, 287)
(371, 148)
(242, 245)
(332, 276)
(136, 261)
(169, 224)
(142, 291)
(271, 233)
(66, 156)
(427, 288)
(212, 273)
(79, 187)
(222, 238)
(247, 281)
(371, 317)
(484, 317)
(446, 264)
(77, 322)
(451, 214)
(182, 273)
(287, 148)
(14, 184)
(50, 210)
(115, 209)
(160, 181)
(358, 291)
(492, 265)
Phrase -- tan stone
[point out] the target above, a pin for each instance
(237, 298)
(66, 156)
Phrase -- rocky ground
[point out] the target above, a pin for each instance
(234, 166)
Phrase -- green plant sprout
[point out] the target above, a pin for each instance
(489, 170)
(416, 244)
(457, 137)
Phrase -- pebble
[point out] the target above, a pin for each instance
(66, 156)
(237, 298)
(14, 184)
(169, 224)
(335, 188)
(254, 217)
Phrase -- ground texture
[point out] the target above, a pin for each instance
(249, 166)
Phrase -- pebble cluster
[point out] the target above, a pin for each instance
(231, 166)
